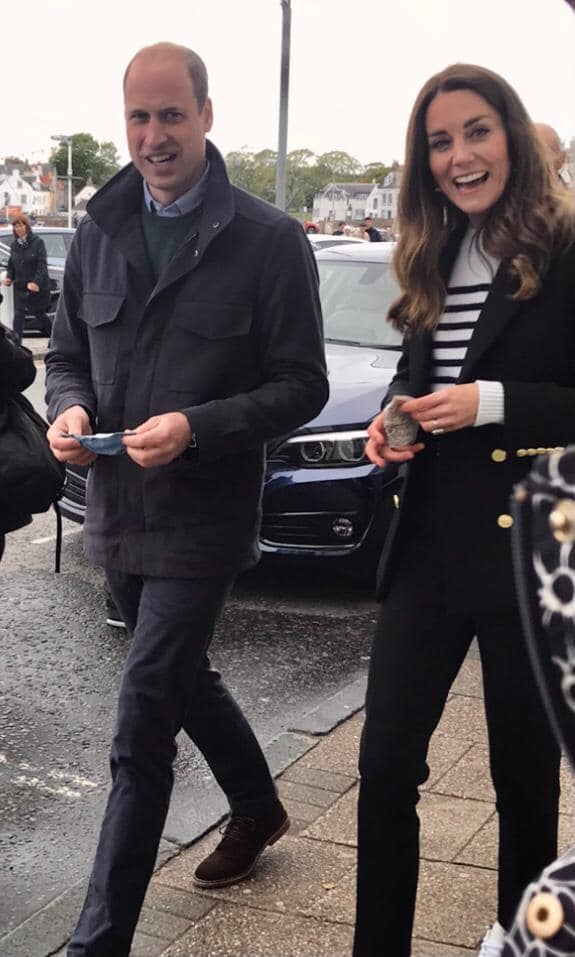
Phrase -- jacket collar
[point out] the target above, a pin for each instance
(117, 207)
(497, 312)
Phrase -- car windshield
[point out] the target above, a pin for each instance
(55, 243)
(355, 297)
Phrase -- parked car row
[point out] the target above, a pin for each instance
(322, 496)
(57, 241)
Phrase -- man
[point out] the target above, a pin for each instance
(189, 315)
(373, 233)
(339, 230)
(550, 139)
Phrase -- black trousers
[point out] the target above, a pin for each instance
(421, 640)
(167, 684)
(24, 302)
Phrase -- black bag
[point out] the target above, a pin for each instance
(31, 479)
(543, 539)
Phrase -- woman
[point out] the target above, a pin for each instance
(17, 372)
(486, 265)
(28, 270)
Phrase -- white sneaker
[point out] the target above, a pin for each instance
(492, 943)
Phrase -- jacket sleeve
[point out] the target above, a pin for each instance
(68, 377)
(538, 414)
(542, 413)
(17, 369)
(10, 271)
(41, 271)
(293, 384)
(399, 385)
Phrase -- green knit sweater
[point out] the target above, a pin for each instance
(165, 234)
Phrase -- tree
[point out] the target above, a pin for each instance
(90, 159)
(341, 166)
(255, 172)
(375, 172)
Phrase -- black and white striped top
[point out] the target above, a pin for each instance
(467, 290)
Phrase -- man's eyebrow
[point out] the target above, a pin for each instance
(470, 122)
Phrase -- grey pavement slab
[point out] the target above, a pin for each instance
(481, 851)
(469, 679)
(308, 794)
(455, 904)
(317, 778)
(235, 931)
(463, 717)
(338, 824)
(444, 752)
(290, 876)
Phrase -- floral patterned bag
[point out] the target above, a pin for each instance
(544, 558)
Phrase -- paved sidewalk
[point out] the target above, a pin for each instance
(299, 903)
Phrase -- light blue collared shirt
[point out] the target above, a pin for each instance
(183, 204)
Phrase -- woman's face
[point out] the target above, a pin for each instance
(468, 155)
(21, 230)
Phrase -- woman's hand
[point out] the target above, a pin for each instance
(32, 287)
(6, 282)
(379, 452)
(454, 407)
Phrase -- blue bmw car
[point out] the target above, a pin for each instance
(322, 497)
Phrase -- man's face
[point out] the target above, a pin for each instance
(165, 128)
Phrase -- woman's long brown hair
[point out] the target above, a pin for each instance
(531, 220)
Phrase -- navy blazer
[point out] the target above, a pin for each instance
(529, 346)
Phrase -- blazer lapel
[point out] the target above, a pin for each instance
(498, 310)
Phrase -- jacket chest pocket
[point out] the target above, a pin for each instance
(207, 345)
(100, 312)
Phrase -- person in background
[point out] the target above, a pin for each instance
(485, 262)
(339, 230)
(550, 138)
(17, 372)
(369, 229)
(189, 315)
(27, 271)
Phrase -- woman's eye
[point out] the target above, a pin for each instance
(479, 131)
(439, 145)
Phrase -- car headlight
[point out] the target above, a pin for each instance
(323, 450)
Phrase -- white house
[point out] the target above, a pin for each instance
(85, 194)
(17, 190)
(382, 200)
(341, 202)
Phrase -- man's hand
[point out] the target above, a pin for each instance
(379, 452)
(32, 287)
(74, 420)
(159, 440)
(7, 282)
(454, 407)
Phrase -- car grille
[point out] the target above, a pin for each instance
(310, 529)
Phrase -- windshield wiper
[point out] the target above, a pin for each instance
(344, 342)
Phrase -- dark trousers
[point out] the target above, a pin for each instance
(24, 303)
(167, 684)
(421, 641)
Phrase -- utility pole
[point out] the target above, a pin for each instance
(281, 167)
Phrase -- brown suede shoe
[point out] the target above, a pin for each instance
(244, 839)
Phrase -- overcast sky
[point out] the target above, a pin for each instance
(356, 66)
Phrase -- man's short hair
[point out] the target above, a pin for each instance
(195, 66)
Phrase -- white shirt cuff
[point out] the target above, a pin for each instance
(490, 409)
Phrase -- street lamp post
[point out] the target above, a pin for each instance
(68, 141)
(283, 122)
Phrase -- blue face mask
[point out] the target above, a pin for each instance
(102, 443)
